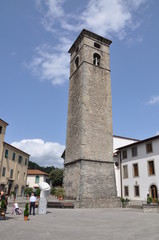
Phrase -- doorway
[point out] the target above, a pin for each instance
(153, 193)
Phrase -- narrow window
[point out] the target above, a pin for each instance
(125, 171)
(6, 153)
(26, 161)
(0, 129)
(18, 175)
(126, 191)
(13, 157)
(11, 173)
(24, 176)
(151, 167)
(97, 45)
(77, 62)
(96, 59)
(20, 159)
(134, 152)
(136, 191)
(3, 172)
(149, 147)
(37, 179)
(124, 153)
(135, 170)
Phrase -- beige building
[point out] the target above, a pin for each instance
(13, 165)
(34, 177)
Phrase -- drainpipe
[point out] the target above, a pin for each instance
(120, 174)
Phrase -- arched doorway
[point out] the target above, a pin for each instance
(153, 192)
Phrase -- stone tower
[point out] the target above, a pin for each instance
(89, 171)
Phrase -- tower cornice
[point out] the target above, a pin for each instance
(89, 34)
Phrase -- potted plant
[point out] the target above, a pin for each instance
(26, 212)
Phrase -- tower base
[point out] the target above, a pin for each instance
(91, 184)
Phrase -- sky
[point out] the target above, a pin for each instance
(35, 37)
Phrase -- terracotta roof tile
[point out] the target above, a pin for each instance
(36, 172)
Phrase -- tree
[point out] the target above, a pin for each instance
(56, 177)
(33, 165)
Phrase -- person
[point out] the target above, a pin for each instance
(32, 201)
(16, 208)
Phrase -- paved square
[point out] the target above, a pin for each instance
(82, 224)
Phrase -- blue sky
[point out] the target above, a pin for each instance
(35, 37)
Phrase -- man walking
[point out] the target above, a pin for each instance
(32, 201)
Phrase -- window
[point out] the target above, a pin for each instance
(135, 170)
(0, 129)
(24, 176)
(134, 151)
(96, 59)
(124, 154)
(149, 147)
(97, 45)
(37, 179)
(136, 191)
(13, 157)
(26, 161)
(6, 153)
(11, 173)
(125, 171)
(3, 172)
(20, 159)
(77, 62)
(126, 191)
(151, 168)
(18, 175)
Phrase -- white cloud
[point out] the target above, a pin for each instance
(51, 64)
(42, 153)
(104, 17)
(154, 100)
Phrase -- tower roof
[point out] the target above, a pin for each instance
(89, 35)
(5, 123)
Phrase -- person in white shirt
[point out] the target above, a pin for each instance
(32, 201)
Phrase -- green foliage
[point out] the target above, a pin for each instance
(53, 190)
(56, 177)
(26, 211)
(37, 192)
(2, 204)
(58, 192)
(124, 201)
(28, 191)
(149, 200)
(33, 165)
(13, 193)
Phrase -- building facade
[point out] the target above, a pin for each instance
(137, 165)
(34, 177)
(89, 168)
(13, 165)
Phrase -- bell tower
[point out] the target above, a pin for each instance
(89, 171)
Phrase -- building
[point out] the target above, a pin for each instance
(89, 168)
(34, 177)
(137, 165)
(13, 165)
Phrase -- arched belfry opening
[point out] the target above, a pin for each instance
(96, 59)
(89, 176)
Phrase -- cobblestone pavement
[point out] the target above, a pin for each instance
(82, 224)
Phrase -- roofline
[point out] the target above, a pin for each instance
(42, 173)
(15, 148)
(139, 142)
(4, 122)
(134, 139)
(87, 33)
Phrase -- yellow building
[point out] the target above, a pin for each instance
(13, 165)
